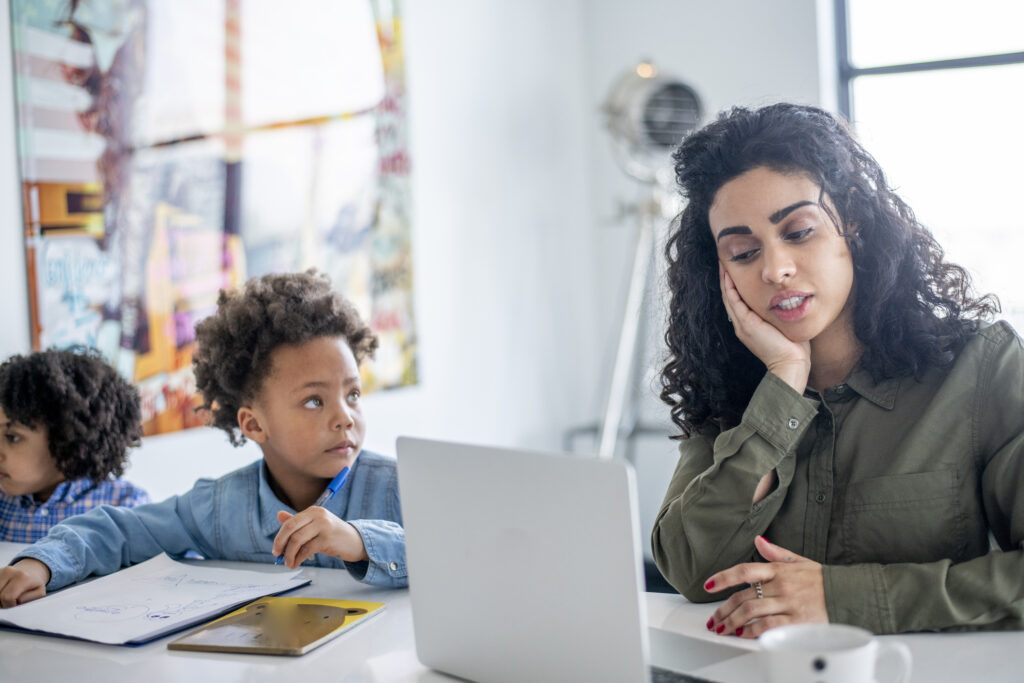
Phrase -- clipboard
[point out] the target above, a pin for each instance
(279, 626)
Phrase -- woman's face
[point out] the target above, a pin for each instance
(789, 263)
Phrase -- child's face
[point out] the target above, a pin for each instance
(307, 417)
(26, 466)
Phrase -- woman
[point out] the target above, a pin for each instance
(838, 393)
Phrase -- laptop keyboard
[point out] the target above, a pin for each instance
(659, 675)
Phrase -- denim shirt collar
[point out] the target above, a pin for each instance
(270, 504)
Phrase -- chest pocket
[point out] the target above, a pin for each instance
(905, 518)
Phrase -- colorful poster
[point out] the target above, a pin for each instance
(172, 149)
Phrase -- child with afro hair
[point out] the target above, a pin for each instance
(278, 363)
(68, 419)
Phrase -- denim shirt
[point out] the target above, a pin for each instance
(230, 518)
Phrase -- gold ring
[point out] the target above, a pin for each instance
(757, 589)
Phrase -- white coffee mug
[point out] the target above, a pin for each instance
(831, 653)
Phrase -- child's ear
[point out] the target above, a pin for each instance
(250, 425)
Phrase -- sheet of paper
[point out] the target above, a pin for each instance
(150, 599)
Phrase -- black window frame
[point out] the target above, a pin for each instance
(848, 72)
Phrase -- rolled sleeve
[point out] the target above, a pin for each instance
(63, 565)
(385, 546)
(857, 595)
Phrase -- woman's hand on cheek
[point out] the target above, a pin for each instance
(792, 592)
(790, 360)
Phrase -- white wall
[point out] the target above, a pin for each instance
(502, 223)
(520, 269)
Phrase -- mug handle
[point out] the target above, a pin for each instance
(897, 651)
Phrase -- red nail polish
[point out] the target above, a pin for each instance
(709, 585)
(711, 623)
(721, 627)
(739, 631)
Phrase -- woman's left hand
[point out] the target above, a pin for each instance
(792, 592)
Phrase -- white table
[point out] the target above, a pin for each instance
(383, 649)
(993, 657)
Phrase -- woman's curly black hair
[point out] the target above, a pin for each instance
(90, 413)
(234, 345)
(912, 310)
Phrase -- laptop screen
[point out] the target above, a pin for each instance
(523, 565)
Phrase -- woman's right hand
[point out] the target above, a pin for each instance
(789, 360)
(23, 582)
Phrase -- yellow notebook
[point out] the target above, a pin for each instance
(278, 626)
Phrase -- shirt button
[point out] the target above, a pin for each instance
(393, 566)
(841, 388)
(42, 511)
(793, 423)
(820, 497)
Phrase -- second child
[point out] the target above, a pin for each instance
(67, 421)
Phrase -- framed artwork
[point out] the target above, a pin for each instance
(168, 150)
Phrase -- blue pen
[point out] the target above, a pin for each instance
(328, 493)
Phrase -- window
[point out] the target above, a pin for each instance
(935, 89)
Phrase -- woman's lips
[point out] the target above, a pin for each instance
(790, 306)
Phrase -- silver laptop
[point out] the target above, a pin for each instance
(526, 566)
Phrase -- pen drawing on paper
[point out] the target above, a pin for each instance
(146, 600)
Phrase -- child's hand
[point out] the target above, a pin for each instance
(315, 530)
(23, 581)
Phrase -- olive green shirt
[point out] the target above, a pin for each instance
(893, 486)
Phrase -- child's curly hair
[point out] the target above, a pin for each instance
(90, 413)
(234, 345)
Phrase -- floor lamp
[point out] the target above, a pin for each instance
(648, 114)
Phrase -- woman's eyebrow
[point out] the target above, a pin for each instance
(782, 213)
(734, 230)
(774, 218)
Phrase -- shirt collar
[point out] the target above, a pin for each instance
(883, 394)
(66, 492)
(270, 504)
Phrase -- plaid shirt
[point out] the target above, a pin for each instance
(25, 520)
